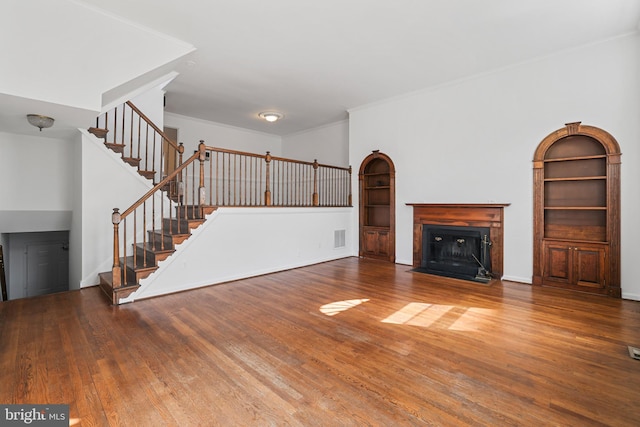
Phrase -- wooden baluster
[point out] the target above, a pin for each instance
(144, 235)
(289, 184)
(152, 241)
(316, 200)
(279, 197)
(153, 156)
(297, 181)
(135, 233)
(130, 128)
(178, 179)
(227, 178)
(201, 189)
(267, 191)
(146, 147)
(217, 177)
(115, 126)
(336, 188)
(245, 179)
(116, 270)
(309, 187)
(235, 179)
(211, 179)
(124, 108)
(349, 200)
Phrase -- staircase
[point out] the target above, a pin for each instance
(185, 191)
(160, 243)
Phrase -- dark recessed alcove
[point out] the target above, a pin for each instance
(453, 251)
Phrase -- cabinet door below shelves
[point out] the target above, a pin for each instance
(589, 266)
(375, 242)
(574, 264)
(557, 266)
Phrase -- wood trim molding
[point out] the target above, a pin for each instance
(489, 215)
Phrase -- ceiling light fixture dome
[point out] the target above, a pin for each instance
(39, 121)
(271, 116)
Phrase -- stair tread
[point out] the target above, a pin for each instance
(169, 233)
(139, 264)
(155, 247)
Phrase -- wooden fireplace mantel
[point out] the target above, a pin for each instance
(489, 215)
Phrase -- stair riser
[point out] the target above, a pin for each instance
(169, 239)
(194, 212)
(180, 226)
(135, 277)
(152, 257)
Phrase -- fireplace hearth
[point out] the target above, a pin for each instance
(460, 252)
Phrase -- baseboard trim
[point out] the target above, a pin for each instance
(528, 281)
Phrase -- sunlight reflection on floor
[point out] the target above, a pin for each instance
(337, 307)
(441, 316)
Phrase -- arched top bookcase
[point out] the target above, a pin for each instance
(377, 207)
(577, 210)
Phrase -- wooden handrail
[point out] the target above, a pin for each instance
(284, 159)
(140, 141)
(160, 185)
(156, 128)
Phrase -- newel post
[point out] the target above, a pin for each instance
(267, 191)
(201, 190)
(116, 270)
(316, 199)
(180, 152)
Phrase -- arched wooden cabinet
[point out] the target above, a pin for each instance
(377, 207)
(576, 175)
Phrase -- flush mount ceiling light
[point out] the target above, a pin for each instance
(271, 116)
(41, 122)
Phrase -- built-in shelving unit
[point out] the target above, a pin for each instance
(377, 207)
(577, 210)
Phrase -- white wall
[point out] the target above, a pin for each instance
(107, 183)
(151, 103)
(75, 232)
(328, 144)
(36, 192)
(236, 243)
(191, 131)
(473, 141)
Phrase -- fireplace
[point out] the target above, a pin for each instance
(453, 251)
(452, 222)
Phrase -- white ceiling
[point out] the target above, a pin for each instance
(315, 60)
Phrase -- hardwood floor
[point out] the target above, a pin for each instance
(346, 343)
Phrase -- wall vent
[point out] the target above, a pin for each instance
(339, 238)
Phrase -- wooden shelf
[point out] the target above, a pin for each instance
(576, 178)
(575, 208)
(571, 159)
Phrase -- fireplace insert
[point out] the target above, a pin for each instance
(454, 251)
